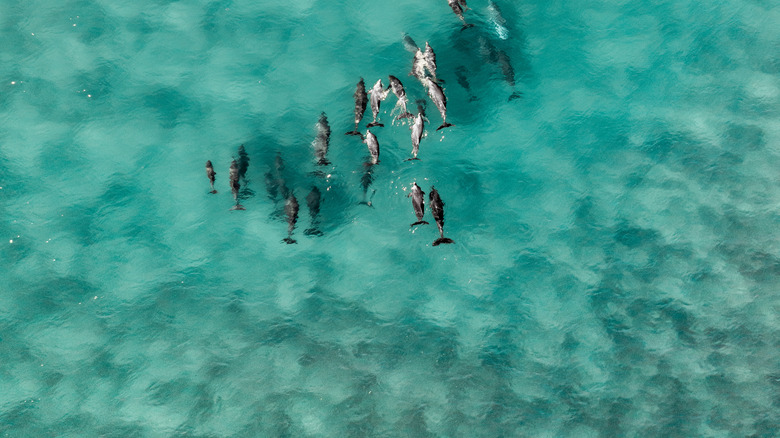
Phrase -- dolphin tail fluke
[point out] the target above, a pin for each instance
(355, 132)
(368, 203)
(323, 162)
(372, 124)
(289, 240)
(441, 240)
(213, 192)
(412, 159)
(465, 26)
(444, 125)
(515, 95)
(313, 232)
(238, 207)
(406, 115)
(418, 223)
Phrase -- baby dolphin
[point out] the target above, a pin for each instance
(373, 146)
(417, 134)
(235, 185)
(409, 43)
(400, 93)
(437, 96)
(418, 202)
(322, 140)
(378, 94)
(211, 174)
(313, 202)
(360, 105)
(291, 210)
(365, 182)
(243, 162)
(430, 61)
(437, 210)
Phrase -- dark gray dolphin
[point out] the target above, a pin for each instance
(409, 43)
(437, 96)
(418, 203)
(378, 94)
(235, 185)
(291, 210)
(457, 7)
(400, 93)
(211, 175)
(313, 202)
(437, 210)
(322, 140)
(365, 182)
(430, 60)
(243, 162)
(373, 146)
(360, 105)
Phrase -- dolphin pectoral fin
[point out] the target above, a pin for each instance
(441, 240)
(418, 223)
(444, 125)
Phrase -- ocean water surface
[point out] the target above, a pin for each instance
(611, 185)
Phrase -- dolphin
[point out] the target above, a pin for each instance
(373, 146)
(418, 66)
(409, 43)
(437, 96)
(235, 185)
(457, 7)
(498, 21)
(365, 182)
(291, 210)
(400, 93)
(430, 60)
(313, 202)
(360, 105)
(211, 174)
(322, 140)
(243, 162)
(437, 210)
(418, 203)
(417, 134)
(378, 94)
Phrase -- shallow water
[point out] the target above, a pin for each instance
(615, 271)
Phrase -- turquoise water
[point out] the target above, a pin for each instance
(615, 271)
